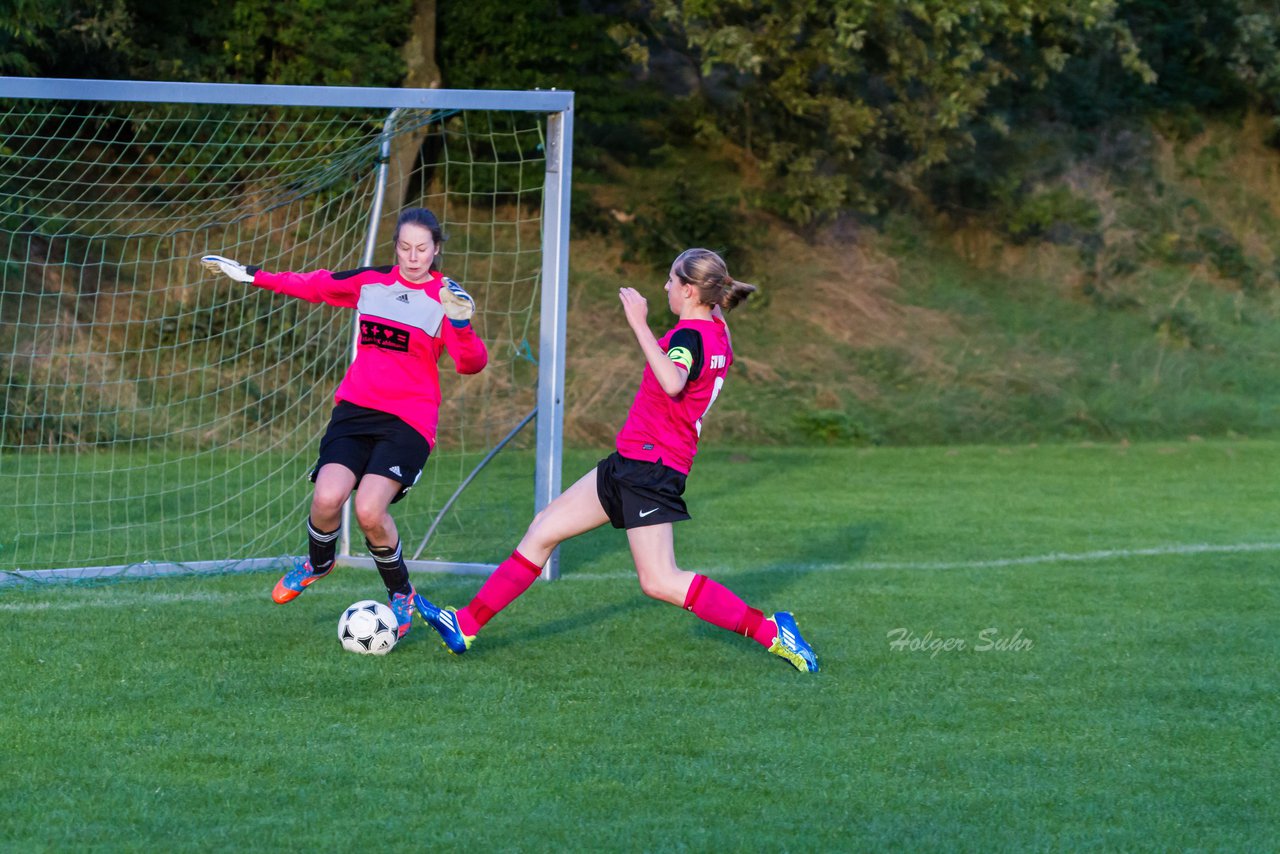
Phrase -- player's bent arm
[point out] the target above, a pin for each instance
(465, 347)
(670, 376)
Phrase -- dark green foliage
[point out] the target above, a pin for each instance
(550, 44)
(1228, 256)
(831, 427)
(1202, 59)
(320, 42)
(683, 215)
(1186, 43)
(1054, 213)
(842, 104)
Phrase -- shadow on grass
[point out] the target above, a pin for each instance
(769, 587)
(576, 623)
(763, 588)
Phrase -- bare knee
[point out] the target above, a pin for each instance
(326, 504)
(664, 584)
(537, 541)
(372, 519)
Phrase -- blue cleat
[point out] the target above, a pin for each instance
(402, 606)
(291, 585)
(791, 646)
(445, 624)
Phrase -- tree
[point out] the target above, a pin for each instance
(564, 44)
(39, 36)
(320, 42)
(421, 72)
(844, 102)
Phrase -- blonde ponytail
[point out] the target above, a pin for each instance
(706, 271)
(734, 293)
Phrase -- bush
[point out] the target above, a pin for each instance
(1055, 213)
(682, 217)
(831, 427)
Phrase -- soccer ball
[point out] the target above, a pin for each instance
(368, 627)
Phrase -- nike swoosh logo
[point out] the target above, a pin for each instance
(644, 513)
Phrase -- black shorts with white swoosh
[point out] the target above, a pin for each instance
(635, 493)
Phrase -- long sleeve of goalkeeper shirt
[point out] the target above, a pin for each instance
(402, 334)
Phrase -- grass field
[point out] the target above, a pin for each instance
(1065, 647)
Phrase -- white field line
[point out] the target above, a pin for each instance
(71, 598)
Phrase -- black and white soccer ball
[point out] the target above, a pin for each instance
(368, 627)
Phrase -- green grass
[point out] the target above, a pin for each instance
(118, 507)
(195, 715)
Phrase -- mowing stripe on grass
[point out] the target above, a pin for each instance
(135, 598)
(996, 563)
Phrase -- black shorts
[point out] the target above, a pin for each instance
(369, 441)
(635, 493)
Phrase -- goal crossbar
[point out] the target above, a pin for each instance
(244, 94)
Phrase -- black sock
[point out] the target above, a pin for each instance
(391, 566)
(322, 547)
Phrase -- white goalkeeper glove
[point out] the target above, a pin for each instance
(233, 269)
(457, 303)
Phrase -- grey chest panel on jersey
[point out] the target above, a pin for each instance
(401, 305)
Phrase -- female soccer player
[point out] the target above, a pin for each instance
(639, 487)
(383, 426)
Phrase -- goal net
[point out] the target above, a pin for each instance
(155, 418)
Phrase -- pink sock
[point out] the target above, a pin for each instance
(512, 577)
(720, 606)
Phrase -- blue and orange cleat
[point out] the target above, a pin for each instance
(444, 621)
(402, 606)
(296, 580)
(791, 646)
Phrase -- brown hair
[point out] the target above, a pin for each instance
(426, 219)
(706, 271)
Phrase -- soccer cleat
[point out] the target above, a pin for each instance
(402, 607)
(444, 621)
(791, 646)
(296, 580)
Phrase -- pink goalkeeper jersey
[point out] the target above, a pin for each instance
(403, 331)
(662, 428)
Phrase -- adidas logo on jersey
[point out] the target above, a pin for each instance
(403, 298)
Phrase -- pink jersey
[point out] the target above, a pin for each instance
(663, 428)
(403, 331)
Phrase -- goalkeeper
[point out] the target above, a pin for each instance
(387, 406)
(640, 486)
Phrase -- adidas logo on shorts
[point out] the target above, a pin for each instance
(395, 470)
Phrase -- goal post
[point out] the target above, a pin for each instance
(155, 421)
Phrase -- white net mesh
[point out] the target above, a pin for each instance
(151, 412)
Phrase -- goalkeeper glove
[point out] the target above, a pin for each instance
(234, 269)
(457, 303)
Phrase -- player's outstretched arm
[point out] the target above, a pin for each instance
(227, 267)
(319, 286)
